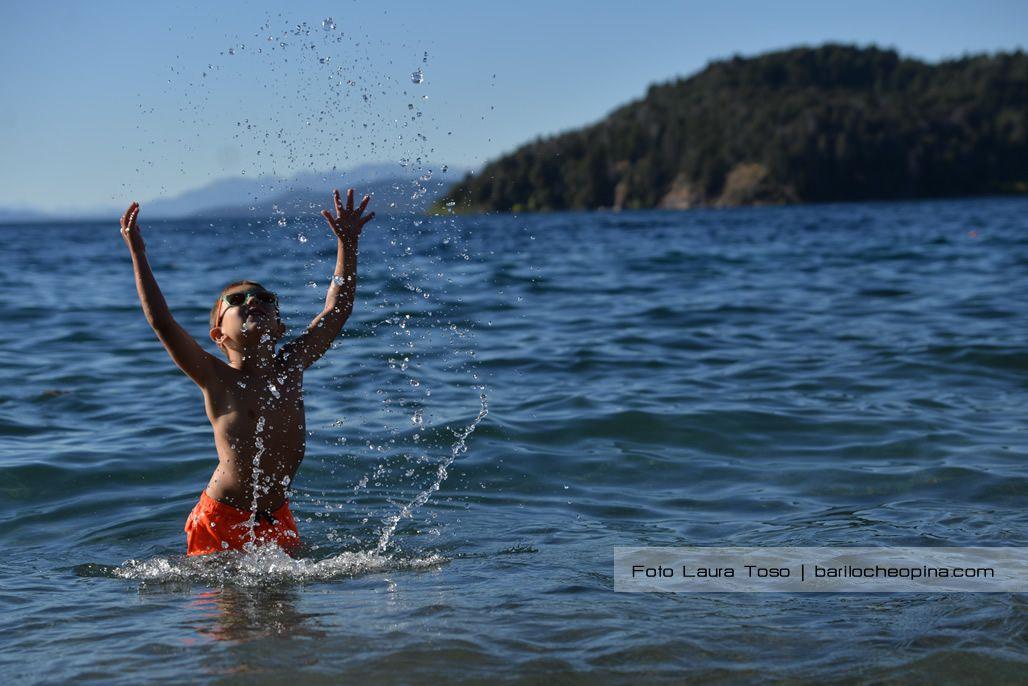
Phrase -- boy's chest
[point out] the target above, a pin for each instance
(267, 400)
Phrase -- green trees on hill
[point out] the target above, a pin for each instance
(818, 124)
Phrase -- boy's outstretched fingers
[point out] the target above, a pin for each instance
(346, 217)
(130, 230)
(128, 218)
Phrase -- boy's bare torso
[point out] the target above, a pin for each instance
(255, 401)
(259, 432)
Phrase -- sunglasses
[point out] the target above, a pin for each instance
(242, 297)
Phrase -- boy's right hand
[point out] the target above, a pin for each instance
(130, 230)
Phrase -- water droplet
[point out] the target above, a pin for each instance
(231, 51)
(281, 221)
(328, 24)
(300, 237)
(418, 76)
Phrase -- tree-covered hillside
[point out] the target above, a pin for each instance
(819, 124)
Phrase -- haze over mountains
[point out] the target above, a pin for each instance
(393, 188)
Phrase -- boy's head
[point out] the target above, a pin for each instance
(244, 316)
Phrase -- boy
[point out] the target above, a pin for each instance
(254, 402)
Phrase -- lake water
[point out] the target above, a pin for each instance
(851, 374)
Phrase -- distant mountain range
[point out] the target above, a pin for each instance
(393, 189)
(831, 123)
(10, 215)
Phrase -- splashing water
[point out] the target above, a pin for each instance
(251, 522)
(264, 566)
(297, 61)
(459, 447)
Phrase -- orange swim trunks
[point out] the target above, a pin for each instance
(213, 526)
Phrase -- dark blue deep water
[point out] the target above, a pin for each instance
(852, 374)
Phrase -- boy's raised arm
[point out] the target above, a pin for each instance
(347, 223)
(197, 363)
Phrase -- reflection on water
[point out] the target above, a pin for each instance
(241, 615)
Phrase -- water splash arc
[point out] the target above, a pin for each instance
(459, 447)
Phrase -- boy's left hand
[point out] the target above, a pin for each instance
(130, 230)
(348, 222)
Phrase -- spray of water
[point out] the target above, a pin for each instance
(263, 566)
(331, 81)
(459, 447)
(251, 523)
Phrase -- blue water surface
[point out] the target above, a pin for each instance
(513, 397)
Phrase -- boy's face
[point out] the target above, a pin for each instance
(248, 324)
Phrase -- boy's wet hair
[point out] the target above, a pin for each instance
(226, 289)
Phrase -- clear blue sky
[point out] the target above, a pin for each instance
(104, 102)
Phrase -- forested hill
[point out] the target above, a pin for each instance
(830, 123)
